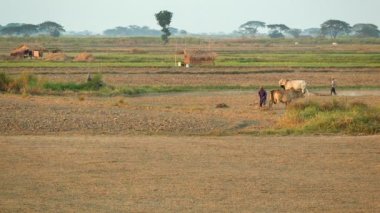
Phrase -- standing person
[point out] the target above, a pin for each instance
(263, 96)
(333, 86)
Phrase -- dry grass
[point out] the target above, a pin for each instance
(180, 174)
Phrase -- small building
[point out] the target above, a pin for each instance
(21, 51)
(191, 57)
(24, 51)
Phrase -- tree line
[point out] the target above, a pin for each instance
(18, 29)
(330, 28)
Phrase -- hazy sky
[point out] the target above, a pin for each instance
(192, 15)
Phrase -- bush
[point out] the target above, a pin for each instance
(4, 82)
(25, 83)
(334, 117)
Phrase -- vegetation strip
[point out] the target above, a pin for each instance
(333, 117)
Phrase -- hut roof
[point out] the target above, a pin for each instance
(20, 49)
(23, 47)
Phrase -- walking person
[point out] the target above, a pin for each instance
(333, 86)
(262, 96)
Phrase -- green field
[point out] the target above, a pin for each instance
(119, 52)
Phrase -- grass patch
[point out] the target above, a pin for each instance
(95, 84)
(26, 83)
(4, 81)
(334, 117)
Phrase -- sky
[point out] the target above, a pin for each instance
(195, 16)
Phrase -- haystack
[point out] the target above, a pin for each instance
(84, 57)
(56, 57)
(199, 57)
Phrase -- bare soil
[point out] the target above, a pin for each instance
(162, 114)
(179, 114)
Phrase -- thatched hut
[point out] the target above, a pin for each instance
(28, 51)
(199, 57)
(21, 51)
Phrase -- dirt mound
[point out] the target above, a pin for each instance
(84, 57)
(138, 51)
(56, 57)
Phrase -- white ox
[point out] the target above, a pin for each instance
(295, 84)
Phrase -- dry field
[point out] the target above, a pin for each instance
(189, 174)
(178, 152)
(92, 154)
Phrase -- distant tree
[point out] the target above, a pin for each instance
(335, 27)
(52, 28)
(183, 32)
(277, 30)
(314, 32)
(132, 30)
(295, 32)
(173, 30)
(13, 25)
(366, 30)
(11, 29)
(251, 27)
(28, 29)
(164, 18)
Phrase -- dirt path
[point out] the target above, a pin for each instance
(196, 174)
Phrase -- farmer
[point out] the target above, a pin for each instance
(262, 96)
(333, 86)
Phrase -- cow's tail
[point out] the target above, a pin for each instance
(307, 92)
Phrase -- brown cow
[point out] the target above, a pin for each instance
(284, 96)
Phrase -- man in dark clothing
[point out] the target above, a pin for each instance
(263, 96)
(333, 86)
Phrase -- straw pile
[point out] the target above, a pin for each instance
(199, 57)
(84, 57)
(56, 57)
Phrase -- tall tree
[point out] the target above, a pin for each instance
(251, 27)
(52, 28)
(277, 30)
(366, 30)
(335, 27)
(164, 19)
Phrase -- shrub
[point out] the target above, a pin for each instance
(25, 83)
(4, 82)
(334, 117)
